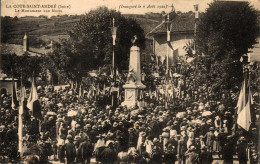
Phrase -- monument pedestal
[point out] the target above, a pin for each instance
(131, 95)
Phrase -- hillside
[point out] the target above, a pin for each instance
(42, 29)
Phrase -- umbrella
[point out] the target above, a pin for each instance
(60, 104)
(206, 113)
(72, 113)
(181, 114)
(140, 116)
(197, 121)
(51, 113)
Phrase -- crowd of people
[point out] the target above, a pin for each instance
(77, 130)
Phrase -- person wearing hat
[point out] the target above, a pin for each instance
(132, 138)
(210, 137)
(70, 150)
(156, 155)
(241, 150)
(205, 157)
(182, 148)
(93, 134)
(140, 142)
(109, 155)
(61, 148)
(176, 127)
(85, 150)
(228, 150)
(192, 156)
(99, 146)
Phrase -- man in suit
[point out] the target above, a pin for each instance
(182, 148)
(109, 155)
(70, 150)
(85, 151)
(210, 137)
(241, 150)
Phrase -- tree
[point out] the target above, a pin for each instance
(65, 61)
(225, 32)
(25, 64)
(90, 44)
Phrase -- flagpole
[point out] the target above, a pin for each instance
(113, 63)
(167, 66)
(168, 42)
(20, 118)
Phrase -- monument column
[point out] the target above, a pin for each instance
(133, 84)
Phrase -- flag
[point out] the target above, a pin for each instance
(111, 73)
(80, 91)
(114, 29)
(244, 117)
(241, 99)
(140, 95)
(33, 103)
(150, 93)
(104, 89)
(173, 57)
(117, 73)
(168, 35)
(98, 90)
(14, 95)
(157, 60)
(162, 59)
(196, 8)
(22, 97)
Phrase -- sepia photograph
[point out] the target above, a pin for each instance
(130, 81)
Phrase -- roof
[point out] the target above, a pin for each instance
(183, 22)
(254, 55)
(18, 50)
(3, 77)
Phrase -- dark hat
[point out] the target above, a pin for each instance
(130, 129)
(203, 147)
(69, 137)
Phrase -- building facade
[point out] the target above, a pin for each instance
(181, 27)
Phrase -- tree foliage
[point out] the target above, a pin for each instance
(225, 32)
(228, 28)
(90, 44)
(92, 36)
(25, 65)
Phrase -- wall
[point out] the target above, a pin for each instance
(7, 85)
(178, 41)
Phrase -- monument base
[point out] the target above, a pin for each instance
(131, 95)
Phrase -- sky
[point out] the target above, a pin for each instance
(49, 8)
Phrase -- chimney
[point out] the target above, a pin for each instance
(25, 43)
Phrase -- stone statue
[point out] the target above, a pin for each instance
(134, 40)
(131, 78)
